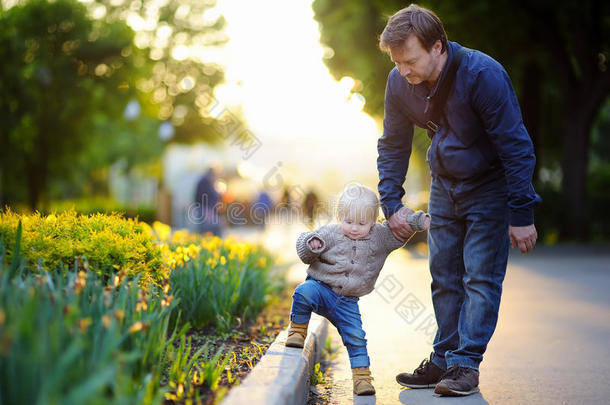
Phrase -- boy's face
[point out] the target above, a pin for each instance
(356, 226)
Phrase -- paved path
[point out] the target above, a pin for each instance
(552, 344)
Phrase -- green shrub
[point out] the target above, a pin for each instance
(98, 242)
(102, 205)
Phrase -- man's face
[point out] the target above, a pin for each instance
(415, 63)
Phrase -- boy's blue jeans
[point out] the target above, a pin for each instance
(469, 243)
(343, 312)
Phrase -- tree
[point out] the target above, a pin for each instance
(176, 36)
(63, 67)
(556, 53)
(73, 69)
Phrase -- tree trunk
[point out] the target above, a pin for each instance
(576, 131)
(531, 101)
(33, 188)
(37, 171)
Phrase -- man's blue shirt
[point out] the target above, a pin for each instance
(481, 136)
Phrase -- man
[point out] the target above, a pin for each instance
(207, 200)
(481, 161)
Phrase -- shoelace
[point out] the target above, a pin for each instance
(454, 373)
(423, 367)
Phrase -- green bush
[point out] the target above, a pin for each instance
(101, 243)
(101, 205)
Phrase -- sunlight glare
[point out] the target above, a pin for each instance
(286, 90)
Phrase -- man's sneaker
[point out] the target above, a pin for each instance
(458, 381)
(424, 376)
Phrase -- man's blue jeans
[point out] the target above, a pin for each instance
(469, 244)
(343, 312)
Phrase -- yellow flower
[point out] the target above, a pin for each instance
(162, 230)
(136, 327)
(51, 219)
(119, 314)
(198, 378)
(142, 306)
(147, 229)
(223, 260)
(106, 321)
(84, 323)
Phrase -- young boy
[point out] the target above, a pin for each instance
(344, 262)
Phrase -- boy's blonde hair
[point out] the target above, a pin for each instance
(358, 200)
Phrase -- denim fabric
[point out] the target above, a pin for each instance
(343, 312)
(469, 244)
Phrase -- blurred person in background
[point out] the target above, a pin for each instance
(310, 206)
(207, 201)
(261, 208)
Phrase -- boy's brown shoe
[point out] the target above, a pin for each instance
(362, 378)
(297, 332)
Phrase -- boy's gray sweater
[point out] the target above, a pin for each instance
(350, 267)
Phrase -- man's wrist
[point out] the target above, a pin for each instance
(391, 209)
(522, 217)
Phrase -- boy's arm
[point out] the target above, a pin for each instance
(305, 252)
(419, 221)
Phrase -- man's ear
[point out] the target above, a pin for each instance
(437, 48)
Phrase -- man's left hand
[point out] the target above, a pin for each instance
(523, 236)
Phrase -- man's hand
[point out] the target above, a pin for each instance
(523, 236)
(399, 226)
(315, 243)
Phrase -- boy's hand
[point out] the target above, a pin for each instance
(315, 243)
(523, 236)
(399, 226)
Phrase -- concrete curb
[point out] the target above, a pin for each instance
(282, 374)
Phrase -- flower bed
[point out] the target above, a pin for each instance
(101, 309)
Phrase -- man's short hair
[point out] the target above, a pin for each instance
(413, 20)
